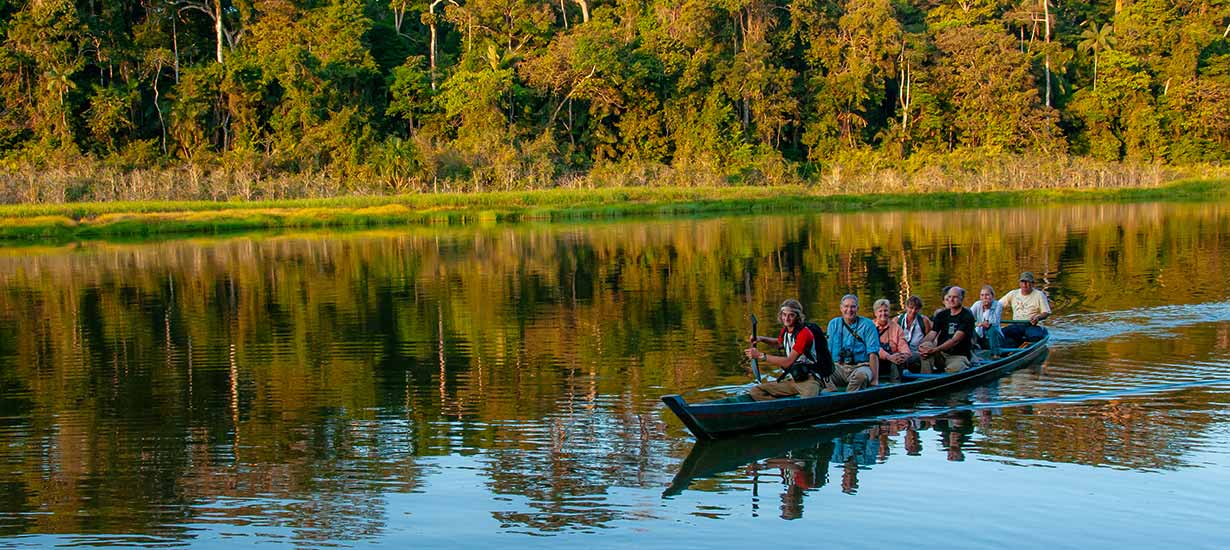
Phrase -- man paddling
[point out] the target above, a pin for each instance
(799, 363)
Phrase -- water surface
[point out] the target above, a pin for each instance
(501, 384)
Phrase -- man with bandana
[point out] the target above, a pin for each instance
(799, 345)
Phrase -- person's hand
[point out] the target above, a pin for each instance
(985, 324)
(1033, 319)
(753, 339)
(899, 358)
(753, 353)
(926, 349)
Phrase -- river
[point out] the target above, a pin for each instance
(500, 384)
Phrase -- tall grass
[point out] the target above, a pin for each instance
(119, 219)
(84, 180)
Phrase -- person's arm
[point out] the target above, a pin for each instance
(768, 340)
(949, 343)
(779, 360)
(976, 309)
(801, 342)
(1045, 310)
(872, 337)
(928, 344)
(884, 353)
(874, 361)
(900, 346)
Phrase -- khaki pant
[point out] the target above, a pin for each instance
(772, 390)
(855, 377)
(952, 363)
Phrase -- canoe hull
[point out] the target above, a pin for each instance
(713, 420)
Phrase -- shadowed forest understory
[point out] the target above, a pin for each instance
(267, 99)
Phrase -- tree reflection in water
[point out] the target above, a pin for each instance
(305, 381)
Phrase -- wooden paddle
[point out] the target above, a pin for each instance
(755, 366)
(747, 294)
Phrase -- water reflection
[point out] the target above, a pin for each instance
(308, 385)
(805, 460)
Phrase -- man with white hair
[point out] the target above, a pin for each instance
(854, 344)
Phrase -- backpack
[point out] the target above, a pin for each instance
(822, 365)
(821, 362)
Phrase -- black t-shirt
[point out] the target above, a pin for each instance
(946, 325)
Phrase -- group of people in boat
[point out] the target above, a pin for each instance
(854, 350)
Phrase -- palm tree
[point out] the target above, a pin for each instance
(59, 83)
(1096, 38)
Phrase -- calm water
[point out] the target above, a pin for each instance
(499, 385)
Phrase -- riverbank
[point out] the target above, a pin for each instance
(135, 219)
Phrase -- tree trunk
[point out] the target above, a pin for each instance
(903, 95)
(1046, 11)
(433, 56)
(584, 10)
(399, 16)
(175, 46)
(218, 26)
(1095, 68)
(431, 10)
(161, 123)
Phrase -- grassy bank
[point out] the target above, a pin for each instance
(129, 219)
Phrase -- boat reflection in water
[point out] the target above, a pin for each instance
(807, 459)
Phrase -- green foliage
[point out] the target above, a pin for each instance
(487, 94)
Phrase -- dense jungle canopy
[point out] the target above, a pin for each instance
(514, 93)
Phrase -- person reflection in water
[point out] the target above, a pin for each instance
(955, 429)
(913, 443)
(853, 451)
(802, 471)
(798, 477)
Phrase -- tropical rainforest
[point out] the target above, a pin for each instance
(330, 97)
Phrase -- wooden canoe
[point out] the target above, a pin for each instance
(729, 416)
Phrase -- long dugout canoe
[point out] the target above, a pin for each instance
(729, 416)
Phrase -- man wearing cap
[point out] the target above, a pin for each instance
(1026, 303)
(800, 347)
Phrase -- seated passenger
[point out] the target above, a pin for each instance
(943, 306)
(1027, 303)
(800, 345)
(987, 313)
(915, 327)
(894, 350)
(948, 342)
(854, 345)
